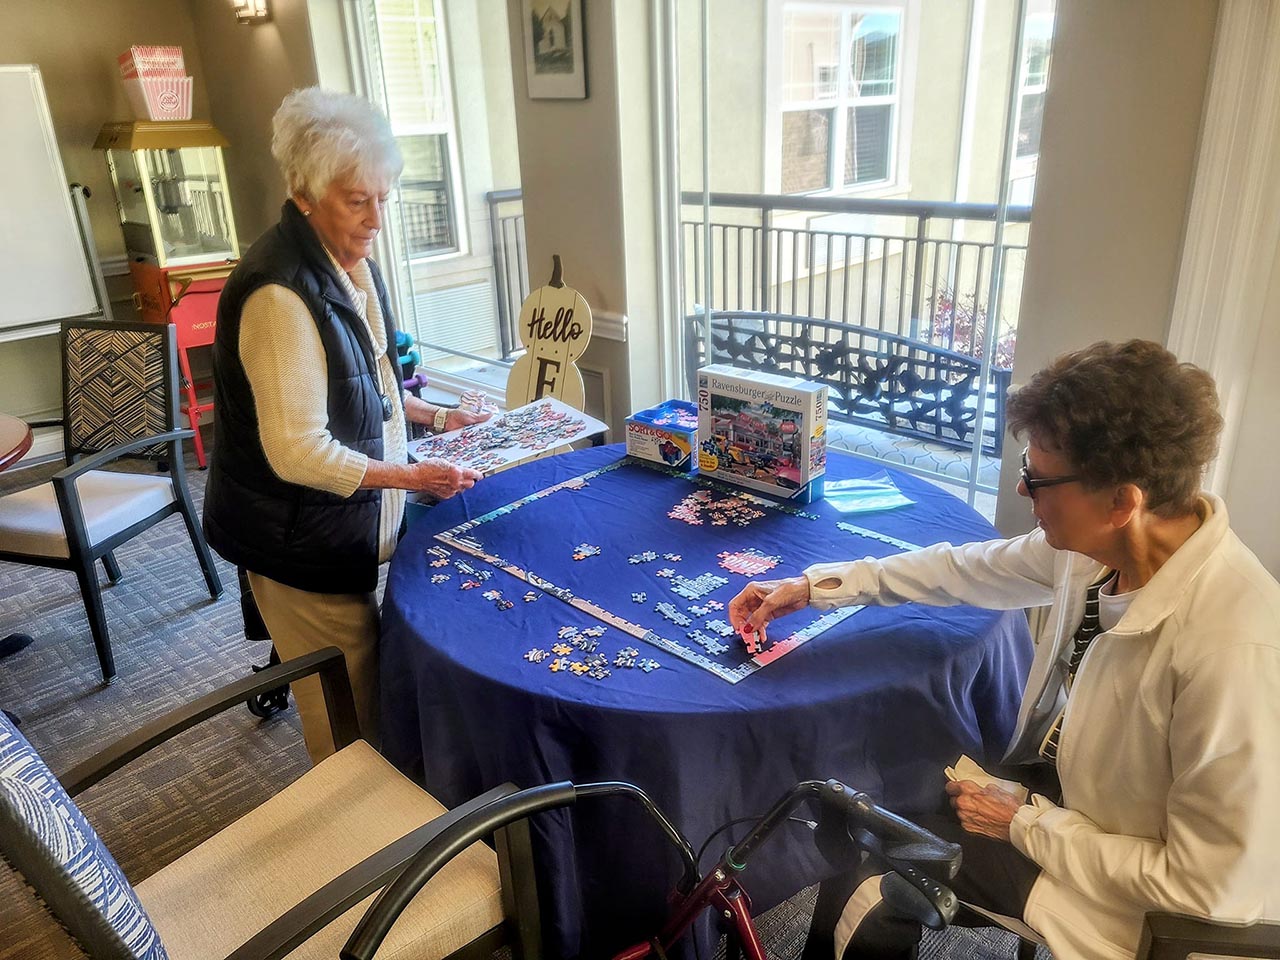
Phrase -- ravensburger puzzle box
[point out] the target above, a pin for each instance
(762, 431)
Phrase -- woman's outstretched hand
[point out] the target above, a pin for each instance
(763, 601)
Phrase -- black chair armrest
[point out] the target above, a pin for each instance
(373, 927)
(38, 424)
(295, 926)
(329, 663)
(96, 460)
(1169, 936)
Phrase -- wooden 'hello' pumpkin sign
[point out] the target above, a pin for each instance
(555, 327)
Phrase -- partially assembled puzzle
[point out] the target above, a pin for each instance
(671, 599)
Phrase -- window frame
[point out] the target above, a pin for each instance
(776, 105)
(448, 127)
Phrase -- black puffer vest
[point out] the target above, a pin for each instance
(293, 534)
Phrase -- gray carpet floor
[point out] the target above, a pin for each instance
(172, 643)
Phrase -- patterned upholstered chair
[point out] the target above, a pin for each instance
(287, 879)
(119, 400)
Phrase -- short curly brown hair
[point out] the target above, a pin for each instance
(1125, 413)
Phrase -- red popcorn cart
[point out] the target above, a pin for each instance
(171, 191)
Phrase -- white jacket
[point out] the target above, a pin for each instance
(1169, 755)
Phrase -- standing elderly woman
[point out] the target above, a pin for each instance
(307, 488)
(1153, 702)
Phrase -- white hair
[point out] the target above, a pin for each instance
(321, 135)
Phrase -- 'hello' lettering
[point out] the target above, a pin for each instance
(563, 329)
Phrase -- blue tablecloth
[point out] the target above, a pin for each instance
(882, 701)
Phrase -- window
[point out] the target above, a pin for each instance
(1036, 42)
(840, 96)
(408, 66)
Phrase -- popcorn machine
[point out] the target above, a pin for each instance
(171, 190)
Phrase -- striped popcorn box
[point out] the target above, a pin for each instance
(151, 61)
(160, 98)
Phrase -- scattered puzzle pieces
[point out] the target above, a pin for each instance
(530, 596)
(699, 586)
(536, 655)
(671, 612)
(584, 550)
(644, 557)
(713, 645)
(736, 509)
(640, 597)
(439, 578)
(749, 562)
(720, 627)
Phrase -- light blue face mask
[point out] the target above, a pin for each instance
(865, 494)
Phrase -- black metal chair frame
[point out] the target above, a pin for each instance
(875, 379)
(83, 554)
(521, 928)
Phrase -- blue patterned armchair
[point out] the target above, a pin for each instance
(287, 879)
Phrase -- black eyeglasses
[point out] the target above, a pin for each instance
(1035, 483)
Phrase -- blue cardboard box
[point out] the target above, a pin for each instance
(666, 434)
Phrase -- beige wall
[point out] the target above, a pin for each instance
(495, 75)
(570, 172)
(249, 68)
(75, 44)
(1117, 154)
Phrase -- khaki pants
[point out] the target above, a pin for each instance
(301, 622)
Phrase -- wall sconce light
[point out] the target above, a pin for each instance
(252, 11)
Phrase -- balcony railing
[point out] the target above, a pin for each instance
(875, 276)
(876, 264)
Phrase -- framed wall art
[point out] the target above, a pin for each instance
(554, 49)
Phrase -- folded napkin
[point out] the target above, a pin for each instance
(967, 768)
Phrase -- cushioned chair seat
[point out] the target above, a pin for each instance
(31, 523)
(354, 803)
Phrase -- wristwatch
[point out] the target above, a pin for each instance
(442, 415)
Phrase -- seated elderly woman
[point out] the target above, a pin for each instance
(1153, 703)
(307, 486)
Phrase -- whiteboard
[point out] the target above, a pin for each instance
(44, 274)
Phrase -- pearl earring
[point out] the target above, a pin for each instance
(306, 213)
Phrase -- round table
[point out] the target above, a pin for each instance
(883, 700)
(15, 440)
